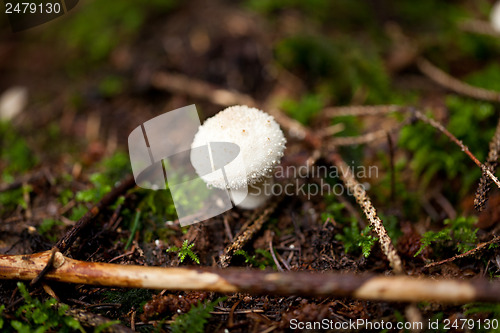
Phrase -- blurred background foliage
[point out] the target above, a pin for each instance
(89, 77)
(339, 50)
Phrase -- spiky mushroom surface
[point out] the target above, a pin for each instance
(259, 138)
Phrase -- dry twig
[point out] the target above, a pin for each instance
(248, 230)
(64, 243)
(361, 110)
(474, 251)
(465, 149)
(255, 281)
(491, 164)
(449, 82)
(367, 137)
(479, 27)
(371, 213)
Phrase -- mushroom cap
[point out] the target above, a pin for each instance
(495, 16)
(259, 138)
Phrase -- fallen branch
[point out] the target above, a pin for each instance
(64, 243)
(230, 280)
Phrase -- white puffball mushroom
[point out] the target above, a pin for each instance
(261, 144)
(495, 17)
(12, 102)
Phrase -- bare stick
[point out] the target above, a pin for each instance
(253, 281)
(365, 138)
(474, 251)
(479, 27)
(371, 213)
(33, 177)
(248, 231)
(87, 219)
(199, 89)
(361, 110)
(47, 267)
(449, 82)
(465, 149)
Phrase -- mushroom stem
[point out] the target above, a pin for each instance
(253, 196)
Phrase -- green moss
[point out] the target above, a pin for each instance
(347, 14)
(111, 86)
(338, 68)
(434, 155)
(305, 109)
(355, 240)
(112, 170)
(487, 78)
(261, 259)
(115, 22)
(37, 316)
(195, 320)
(428, 16)
(459, 235)
(15, 155)
(47, 227)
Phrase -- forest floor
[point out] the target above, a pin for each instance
(95, 74)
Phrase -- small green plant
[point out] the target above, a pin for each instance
(493, 310)
(111, 86)
(46, 227)
(354, 239)
(266, 260)
(2, 307)
(104, 326)
(304, 109)
(38, 316)
(15, 155)
(333, 210)
(114, 168)
(14, 198)
(485, 78)
(435, 156)
(185, 251)
(194, 321)
(101, 186)
(135, 227)
(459, 234)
